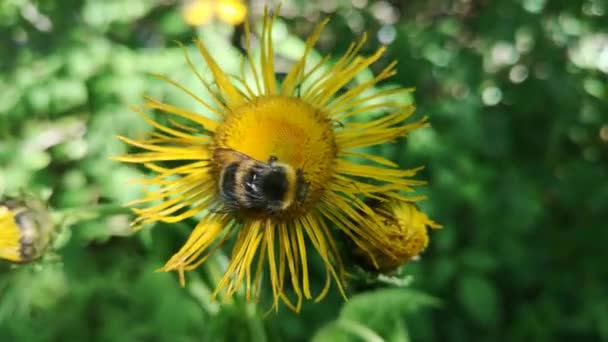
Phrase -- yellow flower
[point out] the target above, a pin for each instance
(201, 12)
(232, 12)
(302, 123)
(25, 231)
(405, 227)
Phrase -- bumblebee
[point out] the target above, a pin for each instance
(24, 231)
(252, 186)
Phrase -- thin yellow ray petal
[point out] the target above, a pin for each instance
(353, 92)
(355, 102)
(367, 156)
(187, 91)
(199, 166)
(239, 252)
(171, 131)
(303, 259)
(329, 213)
(293, 241)
(334, 69)
(168, 191)
(384, 174)
(339, 274)
(307, 226)
(160, 139)
(352, 187)
(205, 84)
(250, 58)
(147, 157)
(239, 258)
(182, 126)
(295, 308)
(282, 256)
(296, 261)
(260, 267)
(295, 74)
(172, 205)
(250, 94)
(293, 268)
(198, 243)
(144, 219)
(204, 204)
(233, 97)
(195, 264)
(267, 55)
(295, 281)
(201, 237)
(321, 85)
(385, 121)
(205, 122)
(369, 108)
(317, 85)
(320, 240)
(308, 74)
(177, 150)
(346, 76)
(169, 185)
(250, 251)
(248, 284)
(166, 182)
(160, 169)
(401, 198)
(270, 250)
(375, 136)
(174, 200)
(339, 210)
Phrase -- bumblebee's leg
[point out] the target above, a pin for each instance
(219, 209)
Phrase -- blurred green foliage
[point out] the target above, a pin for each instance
(517, 164)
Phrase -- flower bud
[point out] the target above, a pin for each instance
(405, 230)
(25, 230)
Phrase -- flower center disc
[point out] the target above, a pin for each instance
(290, 130)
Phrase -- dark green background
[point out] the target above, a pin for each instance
(516, 163)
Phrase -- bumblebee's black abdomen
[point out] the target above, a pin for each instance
(275, 185)
(264, 188)
(251, 186)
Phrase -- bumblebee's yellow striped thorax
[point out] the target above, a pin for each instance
(292, 183)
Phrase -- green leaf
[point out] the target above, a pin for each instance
(479, 298)
(377, 315)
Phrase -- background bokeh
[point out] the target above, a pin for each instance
(516, 160)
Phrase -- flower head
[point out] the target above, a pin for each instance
(201, 12)
(405, 227)
(276, 165)
(25, 230)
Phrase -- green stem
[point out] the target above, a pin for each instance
(360, 330)
(256, 326)
(71, 216)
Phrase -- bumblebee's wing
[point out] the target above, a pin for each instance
(231, 191)
(228, 156)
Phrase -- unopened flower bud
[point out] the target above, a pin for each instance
(25, 230)
(405, 231)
